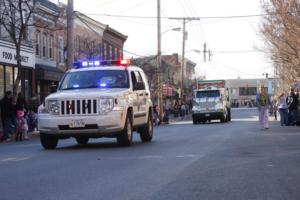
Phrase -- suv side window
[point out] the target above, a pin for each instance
(137, 80)
(133, 79)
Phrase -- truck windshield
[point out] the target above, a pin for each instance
(95, 79)
(207, 94)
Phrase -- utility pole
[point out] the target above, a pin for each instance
(158, 70)
(184, 38)
(70, 25)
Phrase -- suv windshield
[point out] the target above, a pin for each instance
(95, 79)
(205, 94)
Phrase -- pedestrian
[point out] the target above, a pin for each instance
(22, 105)
(7, 115)
(21, 126)
(283, 109)
(292, 103)
(33, 105)
(182, 111)
(263, 101)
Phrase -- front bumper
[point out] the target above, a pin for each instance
(95, 125)
(207, 115)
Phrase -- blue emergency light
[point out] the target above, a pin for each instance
(97, 63)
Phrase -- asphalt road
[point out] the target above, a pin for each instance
(231, 161)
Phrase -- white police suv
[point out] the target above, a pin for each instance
(98, 99)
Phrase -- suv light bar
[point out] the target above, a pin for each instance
(97, 63)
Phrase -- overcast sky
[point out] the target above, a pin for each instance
(234, 42)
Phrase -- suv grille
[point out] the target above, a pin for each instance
(79, 107)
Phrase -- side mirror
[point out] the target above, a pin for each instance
(53, 88)
(139, 86)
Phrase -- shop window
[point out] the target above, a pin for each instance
(9, 78)
(15, 78)
(44, 44)
(38, 43)
(51, 45)
(1, 81)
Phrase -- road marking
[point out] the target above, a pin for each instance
(187, 156)
(150, 157)
(15, 159)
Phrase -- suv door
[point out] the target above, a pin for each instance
(140, 111)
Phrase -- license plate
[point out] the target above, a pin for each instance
(207, 115)
(76, 123)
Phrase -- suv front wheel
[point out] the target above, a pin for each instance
(48, 142)
(125, 137)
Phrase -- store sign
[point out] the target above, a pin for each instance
(8, 55)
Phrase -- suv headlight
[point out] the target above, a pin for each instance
(53, 107)
(106, 105)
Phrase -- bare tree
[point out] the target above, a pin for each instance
(281, 30)
(15, 16)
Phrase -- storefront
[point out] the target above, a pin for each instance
(9, 71)
(45, 77)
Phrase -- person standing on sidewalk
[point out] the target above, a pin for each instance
(21, 105)
(7, 115)
(283, 109)
(263, 101)
(292, 103)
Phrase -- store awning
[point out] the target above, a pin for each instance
(44, 72)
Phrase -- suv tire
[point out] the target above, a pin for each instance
(125, 137)
(48, 142)
(146, 132)
(82, 140)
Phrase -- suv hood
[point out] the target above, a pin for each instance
(88, 93)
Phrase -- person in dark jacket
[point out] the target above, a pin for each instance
(21, 103)
(292, 102)
(7, 115)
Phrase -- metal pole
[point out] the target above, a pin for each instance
(70, 25)
(159, 93)
(182, 61)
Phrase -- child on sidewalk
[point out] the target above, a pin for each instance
(21, 126)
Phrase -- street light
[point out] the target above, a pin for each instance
(172, 29)
(159, 94)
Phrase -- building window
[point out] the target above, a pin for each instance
(77, 53)
(60, 50)
(44, 44)
(51, 45)
(247, 91)
(116, 54)
(120, 54)
(105, 51)
(38, 43)
(110, 52)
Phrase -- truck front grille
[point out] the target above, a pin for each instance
(79, 107)
(207, 104)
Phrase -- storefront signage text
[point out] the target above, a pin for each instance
(10, 56)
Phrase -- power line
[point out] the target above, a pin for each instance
(84, 22)
(198, 17)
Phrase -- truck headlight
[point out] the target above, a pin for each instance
(219, 106)
(53, 107)
(106, 105)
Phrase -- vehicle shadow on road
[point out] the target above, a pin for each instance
(102, 145)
